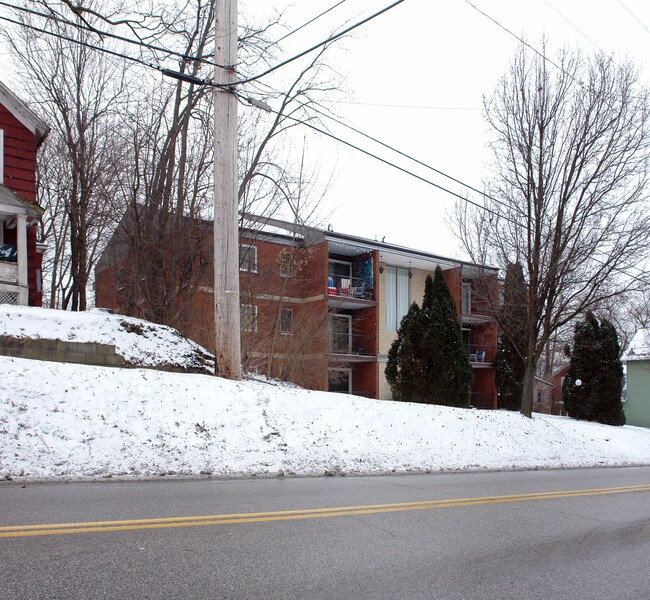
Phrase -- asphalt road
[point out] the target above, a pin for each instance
(541, 534)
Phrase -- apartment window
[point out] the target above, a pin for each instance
(286, 263)
(340, 381)
(248, 317)
(340, 332)
(466, 298)
(540, 395)
(286, 321)
(397, 296)
(248, 258)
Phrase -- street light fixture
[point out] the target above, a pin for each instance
(578, 384)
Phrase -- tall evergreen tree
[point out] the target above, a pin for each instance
(608, 407)
(427, 362)
(405, 365)
(595, 361)
(510, 360)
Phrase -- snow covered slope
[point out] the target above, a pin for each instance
(141, 343)
(70, 421)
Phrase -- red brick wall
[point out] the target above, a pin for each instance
(300, 357)
(453, 279)
(365, 379)
(484, 389)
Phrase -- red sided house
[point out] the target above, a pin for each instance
(321, 308)
(21, 133)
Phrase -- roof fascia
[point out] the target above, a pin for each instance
(19, 109)
(13, 203)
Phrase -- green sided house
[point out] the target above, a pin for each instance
(637, 359)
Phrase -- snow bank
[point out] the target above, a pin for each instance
(141, 343)
(70, 421)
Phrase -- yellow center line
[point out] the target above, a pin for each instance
(286, 515)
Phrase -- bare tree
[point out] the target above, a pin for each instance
(568, 199)
(155, 154)
(627, 313)
(167, 179)
(78, 91)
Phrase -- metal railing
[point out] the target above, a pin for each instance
(353, 287)
(480, 353)
(351, 344)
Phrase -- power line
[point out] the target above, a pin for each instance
(582, 33)
(168, 72)
(319, 45)
(331, 8)
(400, 152)
(81, 43)
(388, 146)
(638, 278)
(386, 161)
(101, 33)
(525, 43)
(634, 16)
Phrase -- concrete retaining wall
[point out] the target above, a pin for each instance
(86, 353)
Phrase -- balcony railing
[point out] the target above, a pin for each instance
(352, 287)
(8, 272)
(480, 353)
(351, 344)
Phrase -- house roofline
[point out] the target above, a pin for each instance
(315, 234)
(544, 381)
(21, 111)
(11, 199)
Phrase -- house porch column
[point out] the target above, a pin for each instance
(21, 247)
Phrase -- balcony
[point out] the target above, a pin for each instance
(10, 291)
(348, 293)
(8, 272)
(351, 347)
(481, 355)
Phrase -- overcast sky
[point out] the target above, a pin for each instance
(415, 77)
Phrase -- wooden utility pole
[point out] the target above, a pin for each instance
(226, 230)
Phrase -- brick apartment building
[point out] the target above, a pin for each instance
(323, 307)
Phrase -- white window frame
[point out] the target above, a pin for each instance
(399, 315)
(349, 372)
(288, 262)
(244, 325)
(290, 311)
(341, 317)
(466, 288)
(244, 265)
